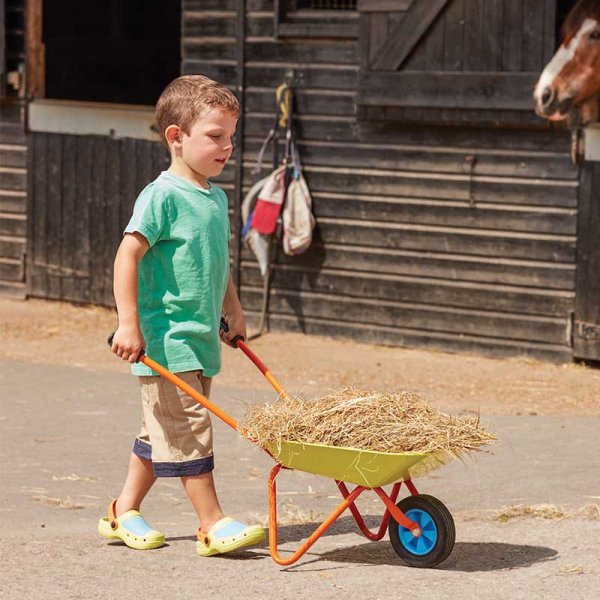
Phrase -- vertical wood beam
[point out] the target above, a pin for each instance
(35, 51)
(239, 139)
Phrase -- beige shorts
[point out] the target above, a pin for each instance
(176, 431)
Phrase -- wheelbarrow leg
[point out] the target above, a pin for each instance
(319, 531)
(359, 519)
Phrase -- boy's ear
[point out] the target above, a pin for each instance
(173, 135)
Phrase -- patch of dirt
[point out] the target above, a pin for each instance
(39, 331)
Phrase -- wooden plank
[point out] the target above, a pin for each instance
(586, 331)
(444, 214)
(35, 54)
(12, 247)
(113, 224)
(37, 276)
(440, 159)
(454, 23)
(54, 215)
(512, 31)
(491, 35)
(476, 296)
(498, 91)
(550, 37)
(99, 174)
(403, 38)
(12, 133)
(452, 116)
(313, 30)
(472, 32)
(433, 45)
(83, 223)
(368, 6)
(70, 201)
(267, 50)
(411, 316)
(13, 156)
(344, 130)
(208, 24)
(533, 36)
(13, 178)
(13, 224)
(420, 185)
(13, 202)
(308, 102)
(452, 267)
(11, 270)
(453, 240)
(416, 339)
(338, 77)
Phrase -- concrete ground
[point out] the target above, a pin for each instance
(65, 436)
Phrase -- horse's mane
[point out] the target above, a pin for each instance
(584, 9)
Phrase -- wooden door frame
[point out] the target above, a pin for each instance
(35, 51)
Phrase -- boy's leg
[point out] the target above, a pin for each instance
(201, 491)
(140, 478)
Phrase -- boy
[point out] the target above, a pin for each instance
(175, 248)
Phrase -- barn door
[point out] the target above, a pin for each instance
(586, 326)
(453, 60)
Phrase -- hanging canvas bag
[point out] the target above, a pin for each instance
(269, 202)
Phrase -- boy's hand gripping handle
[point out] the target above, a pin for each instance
(109, 341)
(236, 339)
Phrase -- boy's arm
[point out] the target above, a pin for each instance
(233, 314)
(128, 340)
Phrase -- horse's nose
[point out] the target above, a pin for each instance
(547, 97)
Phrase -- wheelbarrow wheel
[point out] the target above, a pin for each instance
(435, 543)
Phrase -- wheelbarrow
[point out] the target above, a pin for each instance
(420, 527)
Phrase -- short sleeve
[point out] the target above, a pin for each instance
(149, 214)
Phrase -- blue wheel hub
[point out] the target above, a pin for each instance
(425, 543)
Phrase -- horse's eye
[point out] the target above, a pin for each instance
(595, 35)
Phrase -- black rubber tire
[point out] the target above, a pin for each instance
(445, 529)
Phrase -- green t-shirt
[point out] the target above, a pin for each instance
(183, 276)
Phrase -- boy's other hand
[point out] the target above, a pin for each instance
(237, 327)
(128, 343)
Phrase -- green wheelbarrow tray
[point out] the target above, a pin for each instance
(362, 467)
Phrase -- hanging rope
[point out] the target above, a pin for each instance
(283, 97)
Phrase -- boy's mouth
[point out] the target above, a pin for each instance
(221, 161)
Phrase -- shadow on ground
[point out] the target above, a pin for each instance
(466, 557)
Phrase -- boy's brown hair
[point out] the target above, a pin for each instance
(187, 98)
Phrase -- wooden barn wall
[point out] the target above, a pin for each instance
(460, 238)
(13, 173)
(81, 194)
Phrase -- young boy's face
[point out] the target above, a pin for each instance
(209, 144)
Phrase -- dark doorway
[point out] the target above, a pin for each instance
(121, 51)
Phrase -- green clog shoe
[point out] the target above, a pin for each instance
(131, 528)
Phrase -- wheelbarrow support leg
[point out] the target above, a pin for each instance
(319, 531)
(359, 519)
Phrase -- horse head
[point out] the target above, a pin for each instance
(571, 80)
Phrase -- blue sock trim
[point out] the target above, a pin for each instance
(187, 468)
(142, 449)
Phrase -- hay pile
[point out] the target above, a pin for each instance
(353, 418)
